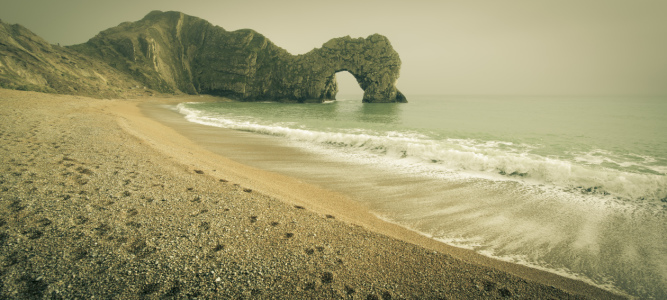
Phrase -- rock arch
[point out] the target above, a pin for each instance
(372, 61)
(348, 85)
(173, 52)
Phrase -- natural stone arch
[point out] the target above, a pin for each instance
(347, 84)
(361, 80)
(372, 61)
(173, 52)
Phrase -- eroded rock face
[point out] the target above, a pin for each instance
(372, 61)
(28, 62)
(172, 52)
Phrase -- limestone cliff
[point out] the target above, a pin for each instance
(173, 52)
(27, 62)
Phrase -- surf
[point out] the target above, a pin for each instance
(581, 201)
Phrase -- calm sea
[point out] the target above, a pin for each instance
(573, 185)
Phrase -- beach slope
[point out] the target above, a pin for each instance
(98, 200)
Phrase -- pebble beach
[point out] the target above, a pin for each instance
(99, 201)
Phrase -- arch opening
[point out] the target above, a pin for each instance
(348, 87)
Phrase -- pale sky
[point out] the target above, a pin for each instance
(447, 47)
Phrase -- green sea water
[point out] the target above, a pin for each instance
(573, 185)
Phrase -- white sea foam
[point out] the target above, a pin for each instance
(566, 213)
(502, 160)
(519, 259)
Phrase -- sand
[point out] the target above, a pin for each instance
(97, 200)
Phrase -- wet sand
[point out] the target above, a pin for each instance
(97, 199)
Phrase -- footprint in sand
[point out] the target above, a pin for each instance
(134, 224)
(327, 277)
(80, 220)
(140, 248)
(150, 288)
(84, 171)
(79, 253)
(33, 233)
(16, 206)
(103, 229)
(44, 222)
(205, 226)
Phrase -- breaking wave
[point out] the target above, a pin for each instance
(586, 173)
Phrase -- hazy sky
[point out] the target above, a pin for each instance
(447, 47)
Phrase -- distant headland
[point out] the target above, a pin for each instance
(170, 52)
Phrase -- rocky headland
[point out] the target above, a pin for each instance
(170, 52)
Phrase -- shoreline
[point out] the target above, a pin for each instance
(357, 214)
(325, 228)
